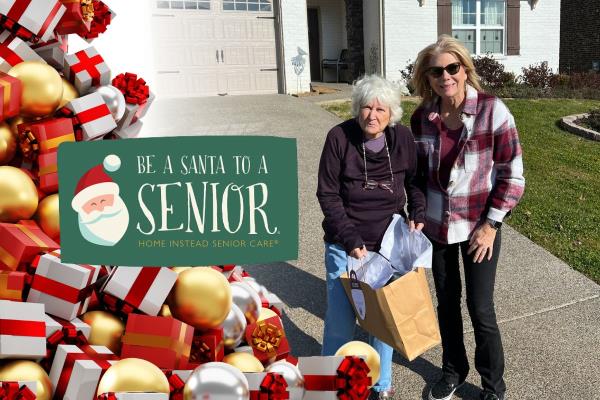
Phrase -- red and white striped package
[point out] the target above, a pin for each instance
(64, 288)
(86, 69)
(141, 288)
(92, 116)
(37, 16)
(14, 51)
(22, 330)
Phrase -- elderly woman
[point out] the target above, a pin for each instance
(470, 156)
(367, 164)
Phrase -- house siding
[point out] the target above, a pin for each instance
(409, 28)
(579, 35)
(295, 35)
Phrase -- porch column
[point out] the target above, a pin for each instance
(354, 29)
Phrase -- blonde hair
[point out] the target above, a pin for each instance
(444, 44)
(371, 87)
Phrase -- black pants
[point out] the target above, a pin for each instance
(479, 281)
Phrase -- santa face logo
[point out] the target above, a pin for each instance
(103, 216)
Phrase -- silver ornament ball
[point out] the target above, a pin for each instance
(113, 98)
(216, 381)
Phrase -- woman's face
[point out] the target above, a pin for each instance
(446, 85)
(373, 117)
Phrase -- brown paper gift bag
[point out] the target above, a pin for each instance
(400, 314)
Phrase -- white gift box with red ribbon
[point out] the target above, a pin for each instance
(86, 69)
(39, 17)
(92, 115)
(54, 56)
(64, 288)
(76, 371)
(143, 288)
(14, 51)
(22, 330)
(129, 132)
(54, 325)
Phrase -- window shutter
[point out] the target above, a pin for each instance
(513, 20)
(444, 12)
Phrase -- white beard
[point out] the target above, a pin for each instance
(105, 227)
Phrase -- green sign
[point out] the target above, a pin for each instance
(207, 200)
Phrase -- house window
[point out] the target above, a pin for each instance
(184, 5)
(479, 24)
(247, 5)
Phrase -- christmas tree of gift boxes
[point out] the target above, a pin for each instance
(77, 331)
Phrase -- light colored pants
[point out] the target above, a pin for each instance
(340, 319)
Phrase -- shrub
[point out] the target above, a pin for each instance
(581, 80)
(537, 75)
(492, 73)
(407, 74)
(593, 119)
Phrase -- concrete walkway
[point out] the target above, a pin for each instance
(548, 313)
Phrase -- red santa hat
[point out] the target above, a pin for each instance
(96, 182)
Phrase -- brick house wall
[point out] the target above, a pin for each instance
(579, 35)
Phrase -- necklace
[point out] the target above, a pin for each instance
(372, 184)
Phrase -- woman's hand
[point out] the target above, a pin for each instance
(359, 252)
(482, 242)
(415, 227)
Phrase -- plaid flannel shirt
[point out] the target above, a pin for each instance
(486, 180)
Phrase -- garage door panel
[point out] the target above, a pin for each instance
(266, 81)
(171, 56)
(264, 56)
(235, 29)
(202, 83)
(262, 29)
(201, 28)
(203, 56)
(236, 55)
(237, 81)
(172, 84)
(167, 28)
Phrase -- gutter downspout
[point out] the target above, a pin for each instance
(382, 37)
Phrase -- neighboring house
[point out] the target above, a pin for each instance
(218, 47)
(580, 36)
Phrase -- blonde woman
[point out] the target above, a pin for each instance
(470, 156)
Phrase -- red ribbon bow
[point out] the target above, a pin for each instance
(102, 18)
(133, 88)
(107, 396)
(351, 382)
(12, 391)
(273, 387)
(176, 385)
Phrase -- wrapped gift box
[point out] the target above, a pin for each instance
(164, 341)
(207, 346)
(267, 339)
(77, 17)
(54, 57)
(92, 115)
(19, 244)
(39, 17)
(64, 288)
(22, 330)
(129, 132)
(267, 386)
(18, 390)
(66, 329)
(12, 284)
(142, 288)
(335, 377)
(11, 90)
(14, 51)
(86, 69)
(137, 97)
(103, 16)
(76, 371)
(60, 41)
(48, 172)
(133, 396)
(48, 134)
(177, 380)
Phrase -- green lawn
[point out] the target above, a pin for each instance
(561, 207)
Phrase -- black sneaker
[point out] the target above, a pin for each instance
(384, 395)
(443, 390)
(486, 395)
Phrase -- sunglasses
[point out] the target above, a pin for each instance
(370, 184)
(452, 69)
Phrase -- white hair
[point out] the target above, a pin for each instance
(371, 87)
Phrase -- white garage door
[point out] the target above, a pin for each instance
(214, 47)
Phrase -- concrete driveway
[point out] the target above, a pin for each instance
(548, 313)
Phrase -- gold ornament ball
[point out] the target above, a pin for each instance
(18, 195)
(106, 329)
(8, 144)
(28, 371)
(179, 270)
(266, 313)
(358, 348)
(69, 93)
(201, 297)
(18, 120)
(47, 216)
(133, 375)
(165, 311)
(42, 87)
(244, 362)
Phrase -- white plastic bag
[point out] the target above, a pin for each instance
(373, 269)
(404, 249)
